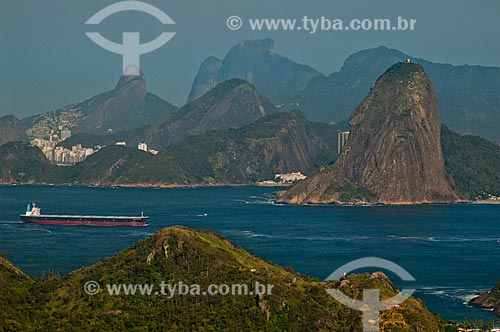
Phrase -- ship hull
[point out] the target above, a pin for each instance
(85, 220)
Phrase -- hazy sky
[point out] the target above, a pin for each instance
(49, 62)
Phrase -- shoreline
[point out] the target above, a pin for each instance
(229, 185)
(144, 185)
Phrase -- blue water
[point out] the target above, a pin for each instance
(451, 250)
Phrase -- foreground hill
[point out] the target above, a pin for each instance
(17, 301)
(393, 154)
(177, 254)
(11, 130)
(126, 107)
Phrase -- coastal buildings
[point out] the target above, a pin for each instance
(289, 177)
(142, 147)
(58, 154)
(61, 155)
(342, 137)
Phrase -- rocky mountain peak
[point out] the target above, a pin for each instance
(11, 129)
(128, 80)
(393, 154)
(266, 43)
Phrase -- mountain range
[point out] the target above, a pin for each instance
(231, 104)
(191, 257)
(469, 96)
(277, 143)
(234, 135)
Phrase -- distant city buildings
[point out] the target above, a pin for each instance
(342, 137)
(61, 155)
(58, 154)
(55, 121)
(142, 147)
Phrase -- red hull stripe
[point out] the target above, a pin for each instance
(86, 222)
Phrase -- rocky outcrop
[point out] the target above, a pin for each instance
(393, 155)
(256, 61)
(206, 79)
(488, 300)
(11, 130)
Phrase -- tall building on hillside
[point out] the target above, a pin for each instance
(342, 137)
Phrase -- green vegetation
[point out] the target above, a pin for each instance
(278, 143)
(22, 163)
(297, 303)
(474, 163)
(495, 293)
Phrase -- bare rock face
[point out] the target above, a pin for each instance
(393, 155)
(255, 61)
(11, 130)
(488, 300)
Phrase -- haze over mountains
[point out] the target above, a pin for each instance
(469, 96)
(234, 133)
(255, 61)
(127, 106)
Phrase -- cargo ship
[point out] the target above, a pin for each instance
(33, 215)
